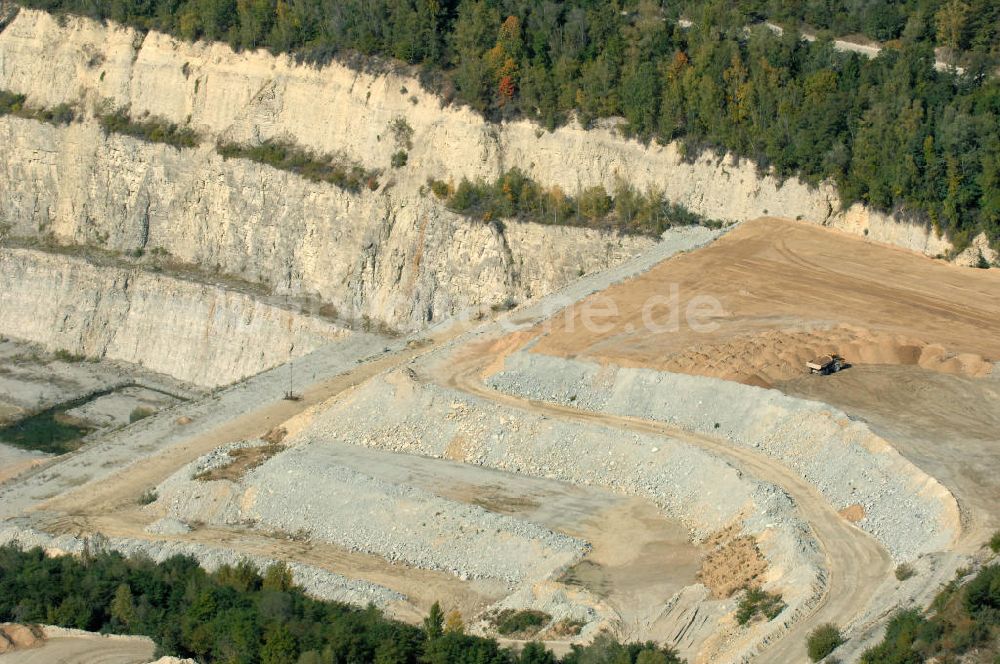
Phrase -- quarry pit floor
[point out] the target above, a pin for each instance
(917, 333)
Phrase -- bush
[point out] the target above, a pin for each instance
(822, 641)
(995, 542)
(904, 571)
(756, 601)
(140, 413)
(439, 187)
(402, 132)
(399, 159)
(148, 497)
(64, 355)
(510, 621)
(982, 598)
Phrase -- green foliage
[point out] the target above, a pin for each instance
(995, 542)
(434, 622)
(982, 595)
(606, 650)
(49, 431)
(14, 104)
(277, 577)
(64, 355)
(515, 196)
(153, 130)
(335, 170)
(822, 641)
(891, 132)
(399, 158)
(402, 133)
(148, 497)
(756, 601)
(510, 621)
(439, 188)
(962, 617)
(904, 571)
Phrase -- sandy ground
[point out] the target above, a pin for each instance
(85, 649)
(14, 461)
(788, 291)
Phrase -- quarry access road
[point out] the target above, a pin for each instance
(855, 562)
(121, 488)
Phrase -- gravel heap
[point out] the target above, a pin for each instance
(306, 492)
(302, 490)
(907, 511)
(398, 414)
(315, 581)
(702, 491)
(168, 526)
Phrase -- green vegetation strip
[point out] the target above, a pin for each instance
(515, 196)
(152, 130)
(891, 131)
(336, 170)
(238, 615)
(14, 104)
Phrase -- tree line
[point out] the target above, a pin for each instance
(239, 615)
(891, 131)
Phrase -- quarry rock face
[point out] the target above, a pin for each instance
(198, 333)
(395, 255)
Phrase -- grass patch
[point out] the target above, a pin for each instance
(153, 130)
(759, 602)
(48, 431)
(64, 355)
(333, 169)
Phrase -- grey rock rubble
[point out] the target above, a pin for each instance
(909, 512)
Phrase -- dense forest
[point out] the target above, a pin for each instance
(238, 616)
(891, 131)
(970, 29)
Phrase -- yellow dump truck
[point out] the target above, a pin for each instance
(826, 364)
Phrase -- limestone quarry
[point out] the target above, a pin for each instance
(408, 406)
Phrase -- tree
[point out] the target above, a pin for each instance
(122, 608)
(535, 653)
(453, 622)
(278, 576)
(949, 22)
(279, 647)
(434, 622)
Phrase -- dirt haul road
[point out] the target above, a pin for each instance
(856, 563)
